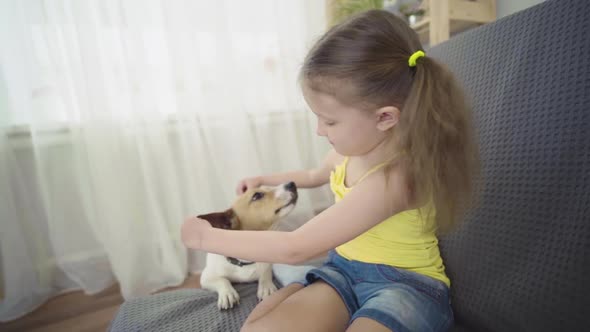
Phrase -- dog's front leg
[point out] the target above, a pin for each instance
(265, 284)
(227, 296)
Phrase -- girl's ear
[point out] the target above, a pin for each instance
(387, 117)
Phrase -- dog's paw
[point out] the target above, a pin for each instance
(227, 298)
(265, 289)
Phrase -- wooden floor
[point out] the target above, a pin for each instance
(78, 312)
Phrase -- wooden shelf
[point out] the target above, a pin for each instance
(422, 24)
(446, 17)
(423, 28)
(442, 19)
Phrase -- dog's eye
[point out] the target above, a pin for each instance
(257, 196)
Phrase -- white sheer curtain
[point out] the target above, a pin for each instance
(120, 118)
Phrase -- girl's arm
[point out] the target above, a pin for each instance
(303, 179)
(371, 202)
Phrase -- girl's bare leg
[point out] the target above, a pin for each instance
(317, 307)
(271, 302)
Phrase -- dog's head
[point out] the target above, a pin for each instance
(256, 209)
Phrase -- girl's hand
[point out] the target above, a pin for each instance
(193, 230)
(248, 183)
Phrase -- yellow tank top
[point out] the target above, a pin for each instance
(405, 240)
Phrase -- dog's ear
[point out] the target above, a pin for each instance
(223, 220)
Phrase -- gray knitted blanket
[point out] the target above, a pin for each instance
(184, 310)
(196, 309)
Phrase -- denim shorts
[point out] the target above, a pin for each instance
(399, 299)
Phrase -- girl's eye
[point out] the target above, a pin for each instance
(329, 124)
(257, 196)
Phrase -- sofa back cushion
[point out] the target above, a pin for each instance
(521, 259)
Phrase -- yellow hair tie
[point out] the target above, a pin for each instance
(417, 55)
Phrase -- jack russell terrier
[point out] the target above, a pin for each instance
(257, 209)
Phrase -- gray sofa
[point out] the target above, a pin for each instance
(521, 260)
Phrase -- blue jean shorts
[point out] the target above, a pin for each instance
(399, 299)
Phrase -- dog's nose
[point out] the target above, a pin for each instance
(291, 186)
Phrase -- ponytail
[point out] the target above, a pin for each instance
(436, 134)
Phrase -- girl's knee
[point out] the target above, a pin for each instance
(247, 327)
(257, 325)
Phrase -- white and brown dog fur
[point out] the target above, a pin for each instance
(256, 209)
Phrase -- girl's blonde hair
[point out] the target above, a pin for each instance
(363, 61)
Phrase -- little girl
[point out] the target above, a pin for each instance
(401, 170)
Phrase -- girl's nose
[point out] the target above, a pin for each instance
(320, 130)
